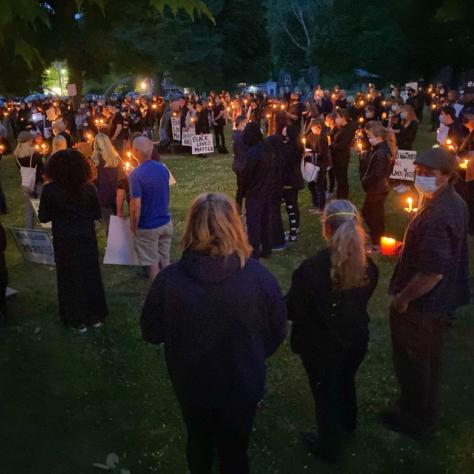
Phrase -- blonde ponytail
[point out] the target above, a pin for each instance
(346, 239)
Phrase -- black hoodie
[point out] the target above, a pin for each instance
(218, 323)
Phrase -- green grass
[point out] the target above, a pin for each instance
(66, 401)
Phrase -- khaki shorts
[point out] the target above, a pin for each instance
(153, 245)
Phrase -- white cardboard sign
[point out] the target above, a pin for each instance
(202, 144)
(35, 245)
(186, 135)
(176, 128)
(404, 168)
(120, 249)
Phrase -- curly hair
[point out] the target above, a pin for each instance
(70, 169)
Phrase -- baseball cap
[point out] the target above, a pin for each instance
(438, 159)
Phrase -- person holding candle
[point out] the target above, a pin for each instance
(466, 154)
(375, 182)
(341, 151)
(406, 134)
(430, 282)
(327, 303)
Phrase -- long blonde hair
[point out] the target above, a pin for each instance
(346, 239)
(213, 227)
(104, 149)
(23, 150)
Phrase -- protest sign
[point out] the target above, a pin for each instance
(404, 168)
(35, 205)
(176, 128)
(186, 135)
(120, 249)
(412, 85)
(35, 245)
(202, 144)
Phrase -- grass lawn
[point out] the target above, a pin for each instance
(66, 401)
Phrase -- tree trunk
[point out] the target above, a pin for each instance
(75, 77)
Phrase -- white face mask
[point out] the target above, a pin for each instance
(403, 115)
(426, 184)
(394, 107)
(373, 141)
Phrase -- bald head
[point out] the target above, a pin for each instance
(142, 148)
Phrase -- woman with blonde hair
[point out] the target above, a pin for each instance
(219, 314)
(30, 163)
(327, 303)
(109, 172)
(406, 134)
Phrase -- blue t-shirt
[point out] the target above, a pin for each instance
(150, 182)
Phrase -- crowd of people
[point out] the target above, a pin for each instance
(219, 312)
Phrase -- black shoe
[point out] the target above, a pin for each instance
(394, 421)
(312, 443)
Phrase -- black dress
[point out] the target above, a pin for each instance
(80, 290)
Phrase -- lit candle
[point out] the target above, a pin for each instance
(464, 164)
(388, 246)
(303, 140)
(361, 103)
(268, 116)
(282, 106)
(129, 154)
(433, 107)
(128, 166)
(410, 209)
(361, 119)
(384, 115)
(2, 149)
(154, 106)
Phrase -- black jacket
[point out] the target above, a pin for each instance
(341, 145)
(407, 135)
(375, 178)
(260, 176)
(327, 321)
(292, 176)
(218, 323)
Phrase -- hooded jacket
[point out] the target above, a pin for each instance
(218, 322)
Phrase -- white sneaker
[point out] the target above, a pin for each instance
(97, 325)
(82, 329)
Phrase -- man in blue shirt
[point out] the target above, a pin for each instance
(150, 219)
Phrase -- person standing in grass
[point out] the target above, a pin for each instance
(327, 303)
(220, 314)
(69, 200)
(430, 282)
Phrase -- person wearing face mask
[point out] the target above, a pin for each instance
(341, 151)
(451, 132)
(430, 282)
(375, 182)
(318, 142)
(406, 134)
(330, 122)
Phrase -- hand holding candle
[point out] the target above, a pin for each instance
(389, 246)
(410, 209)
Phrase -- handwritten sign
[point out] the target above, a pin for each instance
(202, 144)
(35, 245)
(404, 168)
(176, 128)
(186, 135)
(71, 90)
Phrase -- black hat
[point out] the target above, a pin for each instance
(438, 159)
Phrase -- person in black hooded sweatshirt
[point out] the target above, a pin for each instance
(219, 315)
(259, 180)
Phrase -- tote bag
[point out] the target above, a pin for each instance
(28, 175)
(309, 171)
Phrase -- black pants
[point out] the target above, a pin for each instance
(332, 180)
(239, 195)
(470, 205)
(373, 213)
(290, 196)
(341, 170)
(417, 343)
(227, 430)
(334, 393)
(220, 138)
(259, 225)
(278, 234)
(318, 190)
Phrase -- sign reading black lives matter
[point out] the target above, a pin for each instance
(404, 168)
(35, 245)
(202, 144)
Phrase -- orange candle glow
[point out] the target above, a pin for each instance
(388, 246)
(410, 209)
(464, 164)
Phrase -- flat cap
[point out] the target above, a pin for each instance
(438, 159)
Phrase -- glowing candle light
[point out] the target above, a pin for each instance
(388, 246)
(464, 164)
(303, 140)
(410, 209)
